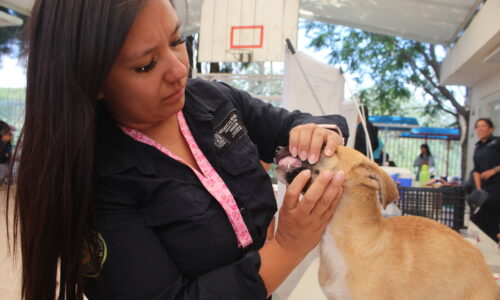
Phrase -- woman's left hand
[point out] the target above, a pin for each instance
(487, 174)
(307, 140)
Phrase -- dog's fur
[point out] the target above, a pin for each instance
(367, 257)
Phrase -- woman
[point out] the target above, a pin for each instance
(486, 177)
(142, 184)
(424, 158)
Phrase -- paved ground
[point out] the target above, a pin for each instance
(10, 269)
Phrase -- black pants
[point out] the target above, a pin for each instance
(488, 217)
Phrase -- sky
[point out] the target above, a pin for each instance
(11, 74)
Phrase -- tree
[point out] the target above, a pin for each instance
(10, 37)
(396, 67)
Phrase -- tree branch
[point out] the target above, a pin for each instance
(432, 61)
(442, 89)
(438, 101)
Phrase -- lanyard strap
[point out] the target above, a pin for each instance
(209, 178)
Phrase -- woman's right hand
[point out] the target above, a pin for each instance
(301, 223)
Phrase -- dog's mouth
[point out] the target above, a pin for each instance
(288, 167)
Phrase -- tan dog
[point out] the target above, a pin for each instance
(367, 257)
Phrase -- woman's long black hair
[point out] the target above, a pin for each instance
(72, 45)
(426, 148)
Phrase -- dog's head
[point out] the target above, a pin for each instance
(358, 170)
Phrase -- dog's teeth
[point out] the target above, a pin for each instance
(289, 164)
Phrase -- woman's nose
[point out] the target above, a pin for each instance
(176, 69)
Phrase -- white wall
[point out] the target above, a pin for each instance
(483, 95)
(464, 63)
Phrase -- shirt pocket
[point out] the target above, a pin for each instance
(241, 157)
(175, 201)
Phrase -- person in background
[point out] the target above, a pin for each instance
(424, 158)
(360, 140)
(486, 174)
(5, 154)
(4, 126)
(136, 182)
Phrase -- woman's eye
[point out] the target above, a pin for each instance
(180, 41)
(147, 67)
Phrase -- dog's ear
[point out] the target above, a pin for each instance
(389, 190)
(376, 178)
(366, 171)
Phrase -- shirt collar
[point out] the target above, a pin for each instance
(488, 140)
(116, 152)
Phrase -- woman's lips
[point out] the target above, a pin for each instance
(175, 96)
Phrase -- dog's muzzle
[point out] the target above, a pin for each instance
(288, 167)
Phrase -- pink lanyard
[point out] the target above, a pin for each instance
(212, 182)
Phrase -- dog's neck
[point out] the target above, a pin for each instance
(358, 215)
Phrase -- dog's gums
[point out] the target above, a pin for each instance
(288, 167)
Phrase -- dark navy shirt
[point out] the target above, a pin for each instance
(166, 237)
(486, 157)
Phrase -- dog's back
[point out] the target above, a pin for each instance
(364, 256)
(419, 258)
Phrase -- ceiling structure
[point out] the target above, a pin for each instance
(9, 20)
(22, 6)
(433, 21)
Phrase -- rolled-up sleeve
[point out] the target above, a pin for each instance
(269, 126)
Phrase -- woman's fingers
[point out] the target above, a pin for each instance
(302, 223)
(315, 192)
(300, 140)
(294, 189)
(306, 142)
(328, 204)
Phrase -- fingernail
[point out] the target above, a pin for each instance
(312, 159)
(293, 151)
(303, 155)
(328, 152)
(340, 175)
(327, 174)
(306, 173)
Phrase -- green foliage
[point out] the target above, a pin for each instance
(11, 37)
(397, 68)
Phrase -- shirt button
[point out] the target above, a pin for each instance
(242, 210)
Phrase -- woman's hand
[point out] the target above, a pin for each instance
(307, 140)
(301, 224)
(487, 174)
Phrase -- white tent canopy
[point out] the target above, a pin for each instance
(8, 20)
(22, 6)
(433, 21)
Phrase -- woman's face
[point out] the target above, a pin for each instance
(483, 130)
(146, 84)
(423, 150)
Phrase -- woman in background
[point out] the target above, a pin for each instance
(424, 158)
(486, 174)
